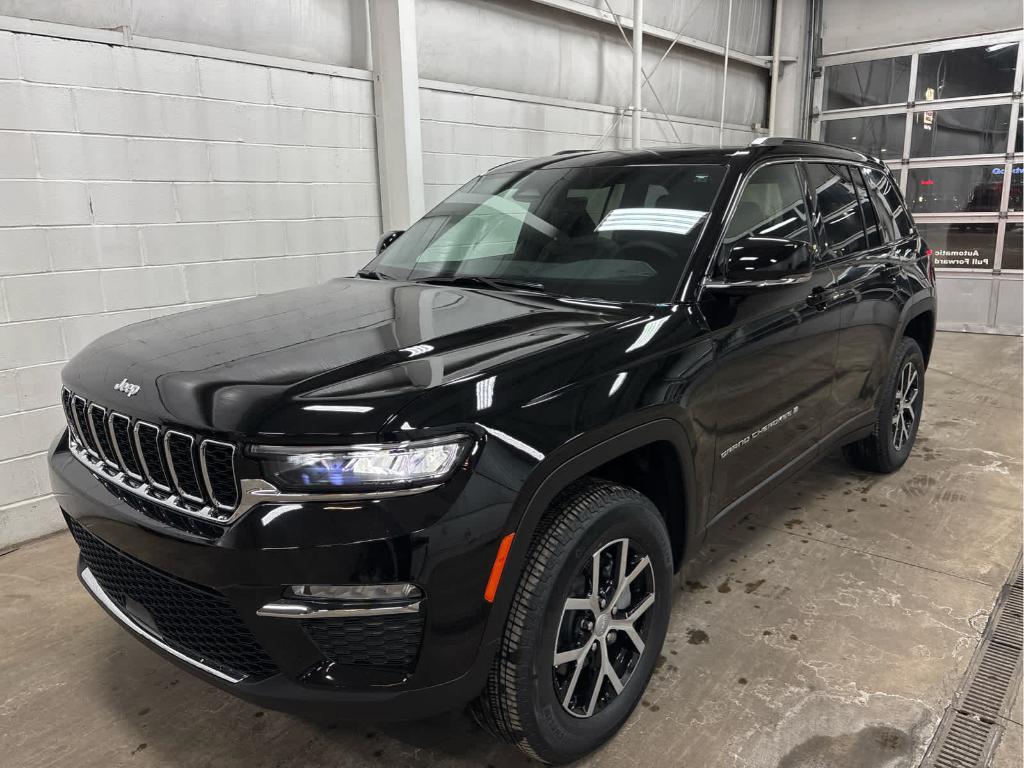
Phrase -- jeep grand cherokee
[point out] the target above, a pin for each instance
(471, 472)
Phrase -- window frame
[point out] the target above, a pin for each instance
(880, 213)
(823, 251)
(913, 91)
(715, 263)
(714, 269)
(857, 173)
(948, 106)
(825, 81)
(801, 181)
(975, 216)
(837, 119)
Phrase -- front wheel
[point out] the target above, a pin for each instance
(586, 624)
(887, 448)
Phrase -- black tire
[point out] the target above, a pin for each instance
(887, 448)
(520, 703)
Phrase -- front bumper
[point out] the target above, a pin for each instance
(204, 593)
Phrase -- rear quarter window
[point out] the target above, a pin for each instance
(892, 211)
(872, 225)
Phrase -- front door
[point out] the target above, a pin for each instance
(775, 343)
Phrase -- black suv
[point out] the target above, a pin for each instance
(471, 472)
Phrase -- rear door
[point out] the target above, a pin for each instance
(861, 248)
(775, 347)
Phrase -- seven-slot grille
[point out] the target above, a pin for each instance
(168, 466)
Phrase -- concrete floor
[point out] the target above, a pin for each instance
(829, 627)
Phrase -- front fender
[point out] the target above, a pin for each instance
(574, 460)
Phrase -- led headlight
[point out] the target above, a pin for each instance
(362, 467)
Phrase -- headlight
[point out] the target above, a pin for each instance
(362, 467)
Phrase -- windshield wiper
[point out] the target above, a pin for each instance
(372, 274)
(478, 281)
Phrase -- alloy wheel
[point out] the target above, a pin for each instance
(603, 627)
(904, 414)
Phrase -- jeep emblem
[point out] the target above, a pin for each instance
(127, 387)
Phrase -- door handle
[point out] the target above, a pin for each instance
(817, 298)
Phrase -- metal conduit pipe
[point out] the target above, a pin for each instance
(638, 72)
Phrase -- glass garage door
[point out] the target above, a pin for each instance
(947, 118)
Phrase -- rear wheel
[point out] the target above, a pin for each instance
(586, 625)
(887, 448)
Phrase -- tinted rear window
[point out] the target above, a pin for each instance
(838, 208)
(890, 202)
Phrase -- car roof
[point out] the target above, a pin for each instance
(737, 156)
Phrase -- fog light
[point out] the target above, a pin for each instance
(355, 591)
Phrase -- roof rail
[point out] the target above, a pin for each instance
(775, 141)
(571, 151)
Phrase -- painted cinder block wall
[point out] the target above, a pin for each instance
(468, 130)
(135, 183)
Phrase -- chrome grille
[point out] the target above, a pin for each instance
(69, 413)
(81, 424)
(98, 425)
(169, 467)
(180, 460)
(217, 461)
(147, 445)
(121, 432)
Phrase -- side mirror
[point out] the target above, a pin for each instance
(387, 239)
(761, 262)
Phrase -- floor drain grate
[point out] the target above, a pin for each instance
(973, 724)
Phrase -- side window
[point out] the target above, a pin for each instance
(772, 204)
(889, 203)
(838, 211)
(867, 209)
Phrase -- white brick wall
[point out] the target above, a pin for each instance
(134, 183)
(465, 134)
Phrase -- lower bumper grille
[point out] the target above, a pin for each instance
(199, 622)
(382, 641)
(166, 515)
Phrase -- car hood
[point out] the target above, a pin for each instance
(337, 358)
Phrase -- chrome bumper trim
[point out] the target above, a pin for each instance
(97, 592)
(119, 479)
(292, 610)
(260, 491)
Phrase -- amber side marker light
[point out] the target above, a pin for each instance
(498, 567)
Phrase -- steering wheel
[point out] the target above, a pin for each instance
(592, 245)
(649, 247)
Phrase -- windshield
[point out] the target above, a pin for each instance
(617, 233)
